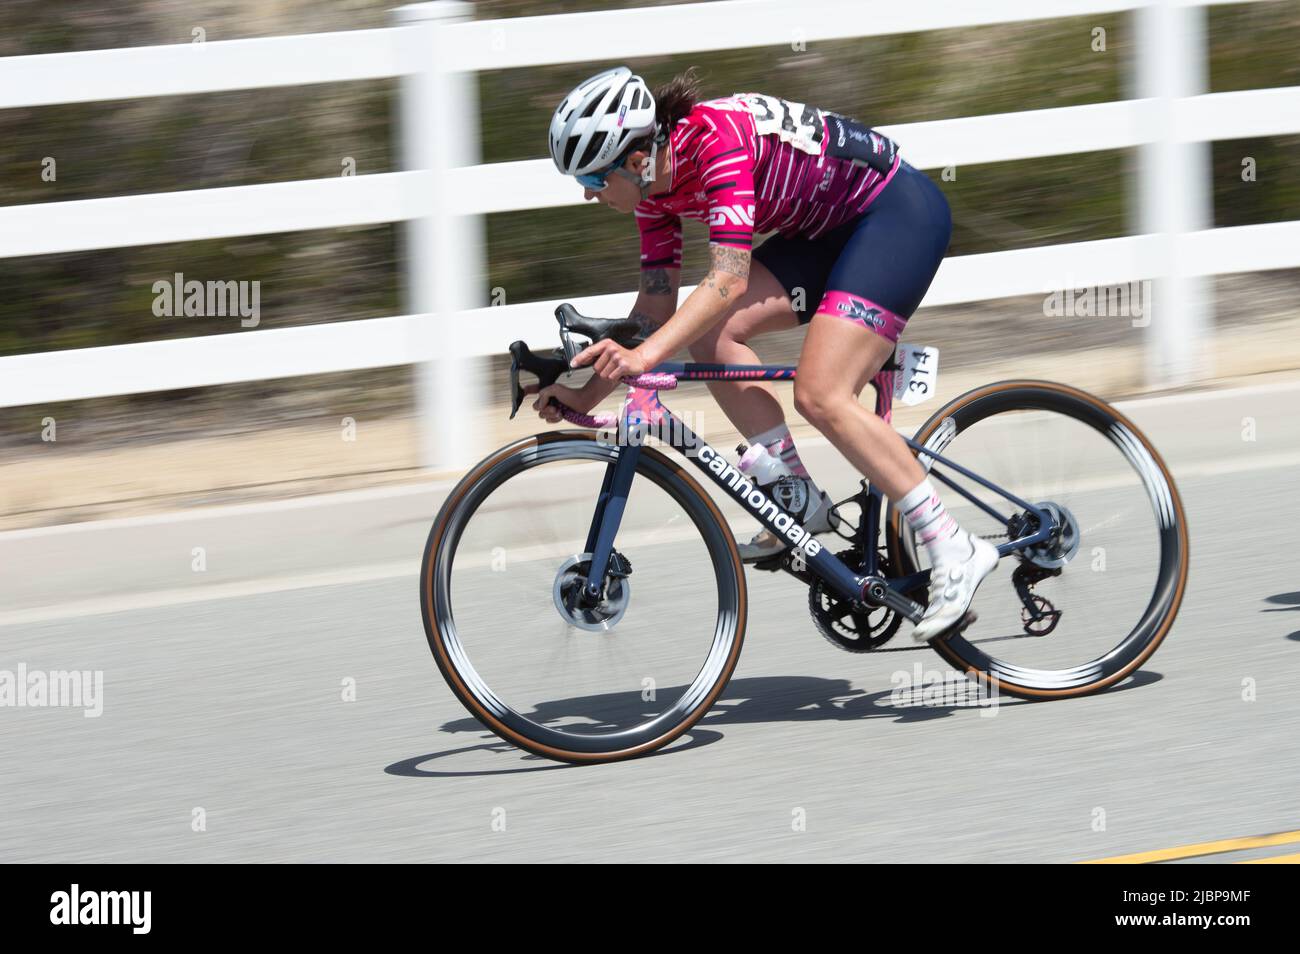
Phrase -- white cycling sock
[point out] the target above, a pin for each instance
(780, 443)
(934, 526)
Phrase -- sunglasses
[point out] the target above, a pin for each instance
(598, 181)
(595, 181)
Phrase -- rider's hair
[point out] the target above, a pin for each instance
(673, 100)
(676, 98)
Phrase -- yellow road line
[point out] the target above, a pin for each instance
(1275, 860)
(1204, 848)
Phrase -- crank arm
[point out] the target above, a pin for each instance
(879, 593)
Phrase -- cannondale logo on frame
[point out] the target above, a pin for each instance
(757, 501)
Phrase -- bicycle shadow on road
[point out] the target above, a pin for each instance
(414, 768)
(745, 701)
(813, 699)
(1286, 603)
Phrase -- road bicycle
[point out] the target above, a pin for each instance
(584, 598)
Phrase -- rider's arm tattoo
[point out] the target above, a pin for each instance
(733, 261)
(724, 260)
(646, 324)
(654, 281)
(656, 286)
(712, 280)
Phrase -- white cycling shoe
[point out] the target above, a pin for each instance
(952, 587)
(815, 515)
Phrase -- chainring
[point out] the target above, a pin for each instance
(855, 631)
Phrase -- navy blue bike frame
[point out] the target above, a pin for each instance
(844, 582)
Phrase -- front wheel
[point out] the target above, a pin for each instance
(1087, 607)
(582, 683)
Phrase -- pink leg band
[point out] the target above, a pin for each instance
(864, 312)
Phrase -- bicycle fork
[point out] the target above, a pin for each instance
(607, 517)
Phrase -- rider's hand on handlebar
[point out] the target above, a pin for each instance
(579, 400)
(611, 361)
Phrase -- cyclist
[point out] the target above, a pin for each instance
(859, 236)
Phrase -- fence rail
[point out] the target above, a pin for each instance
(444, 191)
(116, 222)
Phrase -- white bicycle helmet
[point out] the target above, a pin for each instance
(597, 122)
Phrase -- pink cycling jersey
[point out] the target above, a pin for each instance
(755, 163)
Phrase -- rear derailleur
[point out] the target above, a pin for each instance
(1037, 615)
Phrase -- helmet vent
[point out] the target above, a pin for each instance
(593, 150)
(598, 119)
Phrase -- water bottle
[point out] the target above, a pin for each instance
(762, 466)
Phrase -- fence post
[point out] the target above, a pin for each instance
(1174, 189)
(443, 271)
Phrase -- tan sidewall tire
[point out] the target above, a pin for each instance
(438, 645)
(894, 545)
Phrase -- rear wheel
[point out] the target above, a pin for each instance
(582, 682)
(1087, 607)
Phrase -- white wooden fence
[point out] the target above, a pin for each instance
(444, 191)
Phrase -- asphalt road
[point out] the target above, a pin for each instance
(223, 700)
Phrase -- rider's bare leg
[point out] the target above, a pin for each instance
(752, 406)
(839, 358)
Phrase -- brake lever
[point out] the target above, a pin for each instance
(546, 370)
(516, 389)
(571, 347)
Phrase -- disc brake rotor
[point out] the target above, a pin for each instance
(600, 616)
(1058, 549)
